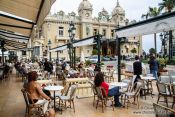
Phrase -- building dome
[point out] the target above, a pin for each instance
(118, 10)
(85, 5)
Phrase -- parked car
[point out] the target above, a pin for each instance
(113, 58)
(94, 58)
(129, 58)
(106, 58)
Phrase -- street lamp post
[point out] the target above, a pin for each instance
(138, 45)
(2, 43)
(98, 41)
(163, 38)
(119, 41)
(72, 55)
(49, 44)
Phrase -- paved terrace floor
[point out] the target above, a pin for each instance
(12, 104)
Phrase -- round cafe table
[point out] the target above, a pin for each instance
(54, 88)
(118, 84)
(44, 81)
(147, 78)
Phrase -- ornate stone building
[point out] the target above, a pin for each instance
(55, 29)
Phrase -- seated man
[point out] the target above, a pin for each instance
(37, 95)
(24, 70)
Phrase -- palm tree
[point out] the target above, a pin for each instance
(145, 16)
(152, 12)
(167, 4)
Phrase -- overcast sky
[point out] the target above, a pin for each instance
(133, 10)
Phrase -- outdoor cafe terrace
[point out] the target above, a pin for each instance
(12, 101)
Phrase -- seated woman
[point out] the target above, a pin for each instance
(81, 70)
(37, 95)
(99, 81)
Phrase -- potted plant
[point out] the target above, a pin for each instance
(162, 65)
(123, 66)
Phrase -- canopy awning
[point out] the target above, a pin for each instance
(157, 24)
(18, 17)
(12, 44)
(84, 42)
(63, 47)
(165, 22)
(78, 43)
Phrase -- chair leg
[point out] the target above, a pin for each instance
(158, 99)
(121, 98)
(127, 103)
(94, 100)
(97, 103)
(113, 105)
(102, 105)
(70, 104)
(124, 100)
(166, 101)
(144, 93)
(73, 105)
(65, 104)
(138, 101)
(173, 102)
(29, 112)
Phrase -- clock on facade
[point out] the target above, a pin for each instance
(87, 14)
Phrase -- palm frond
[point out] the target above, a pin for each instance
(144, 16)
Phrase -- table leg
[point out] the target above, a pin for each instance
(56, 109)
(54, 101)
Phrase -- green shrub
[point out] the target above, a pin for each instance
(102, 63)
(88, 62)
(162, 62)
(145, 61)
(133, 50)
(77, 59)
(94, 52)
(152, 51)
(171, 62)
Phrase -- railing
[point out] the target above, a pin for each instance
(84, 87)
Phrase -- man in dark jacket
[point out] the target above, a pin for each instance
(137, 67)
(48, 66)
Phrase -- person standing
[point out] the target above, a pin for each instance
(154, 66)
(137, 69)
(47, 68)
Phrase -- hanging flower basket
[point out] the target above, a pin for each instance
(110, 66)
(123, 65)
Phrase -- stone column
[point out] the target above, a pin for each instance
(41, 51)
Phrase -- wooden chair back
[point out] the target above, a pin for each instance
(162, 111)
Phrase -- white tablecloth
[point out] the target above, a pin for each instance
(147, 78)
(53, 88)
(119, 84)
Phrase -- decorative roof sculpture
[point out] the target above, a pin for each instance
(118, 10)
(85, 5)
